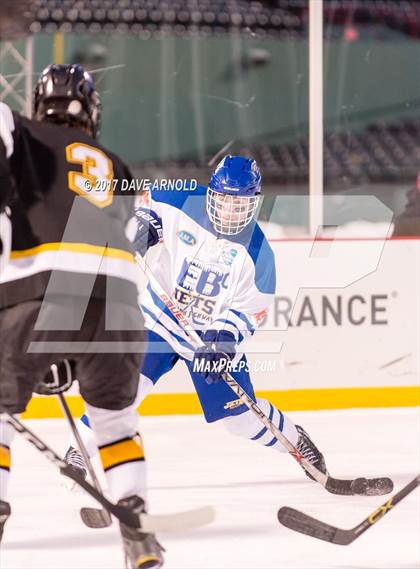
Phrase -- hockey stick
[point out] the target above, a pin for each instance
(360, 486)
(298, 521)
(100, 518)
(146, 522)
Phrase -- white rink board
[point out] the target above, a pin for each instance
(376, 341)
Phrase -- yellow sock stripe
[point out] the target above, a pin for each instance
(146, 558)
(4, 457)
(121, 452)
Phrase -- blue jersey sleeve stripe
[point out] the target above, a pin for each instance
(179, 339)
(241, 336)
(223, 321)
(242, 316)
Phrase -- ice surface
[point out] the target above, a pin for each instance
(191, 464)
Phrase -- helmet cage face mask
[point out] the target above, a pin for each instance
(230, 214)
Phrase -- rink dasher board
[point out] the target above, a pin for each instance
(337, 334)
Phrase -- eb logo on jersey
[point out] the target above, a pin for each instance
(206, 281)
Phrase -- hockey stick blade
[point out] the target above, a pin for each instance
(95, 518)
(372, 486)
(179, 521)
(359, 486)
(302, 523)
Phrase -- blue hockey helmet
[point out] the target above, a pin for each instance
(233, 194)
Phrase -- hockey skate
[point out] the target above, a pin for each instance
(142, 550)
(75, 460)
(4, 515)
(309, 451)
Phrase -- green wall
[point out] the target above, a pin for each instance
(175, 97)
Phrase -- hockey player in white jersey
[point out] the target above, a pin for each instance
(217, 264)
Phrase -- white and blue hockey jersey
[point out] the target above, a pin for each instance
(221, 282)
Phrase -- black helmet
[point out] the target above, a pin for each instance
(65, 94)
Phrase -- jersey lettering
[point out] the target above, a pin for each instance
(206, 281)
(94, 182)
(210, 282)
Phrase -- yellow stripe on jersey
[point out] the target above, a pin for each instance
(4, 457)
(121, 452)
(102, 251)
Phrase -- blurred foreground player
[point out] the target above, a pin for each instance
(216, 262)
(71, 278)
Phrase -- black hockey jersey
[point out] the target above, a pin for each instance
(69, 213)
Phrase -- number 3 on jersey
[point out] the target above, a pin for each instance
(94, 182)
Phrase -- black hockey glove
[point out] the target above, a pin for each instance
(5, 239)
(58, 379)
(149, 230)
(216, 356)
